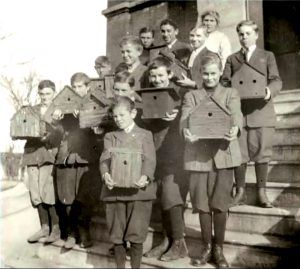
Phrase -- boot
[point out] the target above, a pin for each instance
(177, 250)
(218, 257)
(43, 232)
(54, 235)
(262, 198)
(85, 238)
(205, 256)
(70, 242)
(240, 197)
(159, 250)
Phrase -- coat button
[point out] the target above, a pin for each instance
(125, 162)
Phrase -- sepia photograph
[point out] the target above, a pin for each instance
(149, 133)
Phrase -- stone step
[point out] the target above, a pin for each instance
(241, 250)
(287, 96)
(279, 171)
(286, 153)
(286, 107)
(288, 120)
(287, 136)
(279, 194)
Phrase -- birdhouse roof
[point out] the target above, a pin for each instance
(67, 90)
(172, 92)
(204, 103)
(28, 111)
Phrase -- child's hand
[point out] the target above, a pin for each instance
(108, 181)
(142, 182)
(188, 136)
(268, 94)
(76, 113)
(232, 135)
(171, 116)
(186, 82)
(97, 130)
(57, 114)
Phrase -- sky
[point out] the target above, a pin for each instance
(52, 38)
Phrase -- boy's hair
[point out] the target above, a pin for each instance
(146, 30)
(132, 40)
(124, 77)
(159, 62)
(46, 84)
(80, 77)
(212, 13)
(122, 101)
(170, 22)
(102, 60)
(196, 27)
(247, 23)
(212, 59)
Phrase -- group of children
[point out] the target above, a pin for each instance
(167, 160)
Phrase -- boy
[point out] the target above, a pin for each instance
(128, 210)
(103, 66)
(211, 162)
(78, 184)
(131, 50)
(146, 36)
(198, 36)
(39, 157)
(169, 149)
(259, 115)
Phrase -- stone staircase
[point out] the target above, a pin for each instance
(255, 237)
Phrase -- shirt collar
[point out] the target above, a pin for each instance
(171, 45)
(250, 49)
(133, 67)
(199, 49)
(129, 128)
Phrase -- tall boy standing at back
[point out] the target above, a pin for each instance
(259, 115)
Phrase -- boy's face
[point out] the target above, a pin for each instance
(147, 39)
(130, 54)
(80, 88)
(168, 33)
(159, 77)
(46, 95)
(122, 89)
(247, 36)
(197, 38)
(211, 75)
(103, 69)
(210, 22)
(123, 117)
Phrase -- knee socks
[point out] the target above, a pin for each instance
(136, 253)
(240, 175)
(261, 171)
(220, 219)
(206, 226)
(177, 224)
(43, 214)
(120, 255)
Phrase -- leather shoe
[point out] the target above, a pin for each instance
(218, 257)
(43, 232)
(54, 235)
(159, 250)
(240, 197)
(205, 256)
(262, 198)
(70, 243)
(177, 250)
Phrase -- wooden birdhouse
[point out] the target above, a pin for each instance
(209, 120)
(67, 101)
(26, 123)
(93, 109)
(157, 101)
(106, 85)
(125, 167)
(249, 82)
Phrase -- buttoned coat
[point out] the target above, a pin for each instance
(180, 49)
(257, 113)
(37, 151)
(199, 156)
(138, 139)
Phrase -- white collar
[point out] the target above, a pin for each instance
(129, 128)
(250, 49)
(171, 45)
(199, 49)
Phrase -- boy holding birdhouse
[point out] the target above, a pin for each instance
(127, 167)
(169, 150)
(210, 162)
(253, 71)
(39, 157)
(78, 184)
